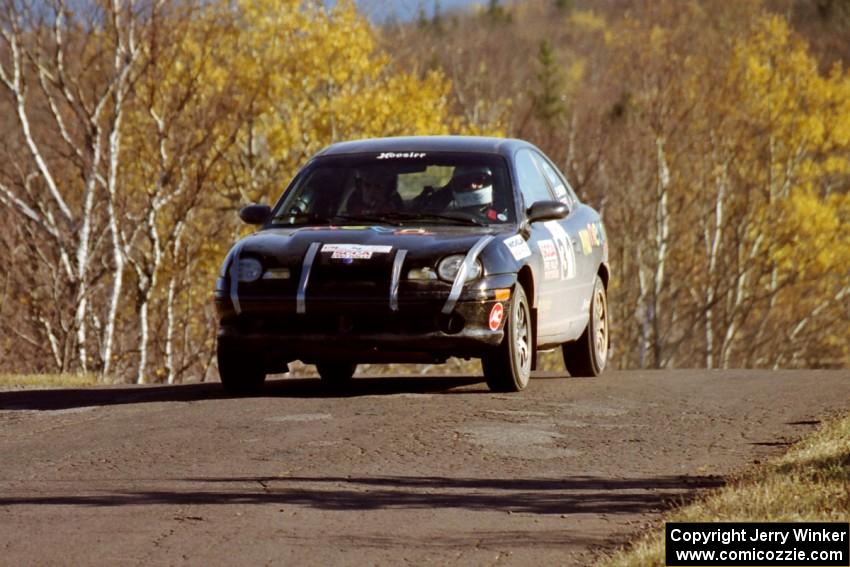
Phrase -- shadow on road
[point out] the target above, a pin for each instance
(285, 388)
(576, 495)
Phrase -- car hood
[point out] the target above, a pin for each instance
(287, 247)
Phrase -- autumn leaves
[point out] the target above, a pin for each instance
(713, 140)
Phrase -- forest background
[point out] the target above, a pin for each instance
(713, 136)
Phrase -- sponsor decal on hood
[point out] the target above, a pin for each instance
(355, 251)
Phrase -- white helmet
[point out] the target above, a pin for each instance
(472, 186)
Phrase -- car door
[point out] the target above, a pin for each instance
(575, 264)
(551, 247)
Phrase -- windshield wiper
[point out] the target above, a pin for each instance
(379, 218)
(393, 218)
(412, 215)
(300, 218)
(312, 218)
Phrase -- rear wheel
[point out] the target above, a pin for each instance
(239, 374)
(508, 368)
(336, 372)
(587, 356)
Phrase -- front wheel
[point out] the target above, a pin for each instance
(508, 368)
(587, 355)
(239, 374)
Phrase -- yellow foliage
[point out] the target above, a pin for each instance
(315, 76)
(758, 139)
(803, 120)
(244, 93)
(812, 235)
(807, 114)
(587, 20)
(575, 73)
(657, 39)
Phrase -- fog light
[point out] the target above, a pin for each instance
(277, 274)
(425, 273)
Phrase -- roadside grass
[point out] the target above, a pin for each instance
(810, 483)
(42, 381)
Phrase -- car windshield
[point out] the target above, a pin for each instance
(400, 188)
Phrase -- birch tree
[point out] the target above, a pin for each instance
(182, 131)
(68, 75)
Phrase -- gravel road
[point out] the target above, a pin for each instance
(398, 470)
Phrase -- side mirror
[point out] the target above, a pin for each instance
(547, 210)
(255, 214)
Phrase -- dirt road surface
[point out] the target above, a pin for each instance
(396, 471)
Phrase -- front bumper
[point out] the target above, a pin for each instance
(366, 329)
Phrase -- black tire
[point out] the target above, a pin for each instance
(336, 373)
(588, 355)
(508, 367)
(239, 374)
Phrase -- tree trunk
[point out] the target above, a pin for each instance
(172, 293)
(662, 232)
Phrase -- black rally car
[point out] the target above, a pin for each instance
(414, 250)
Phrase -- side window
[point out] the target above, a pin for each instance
(532, 185)
(562, 189)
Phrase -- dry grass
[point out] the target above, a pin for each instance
(809, 483)
(45, 381)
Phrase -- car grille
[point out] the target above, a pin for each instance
(365, 280)
(343, 324)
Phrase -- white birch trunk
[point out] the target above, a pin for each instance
(126, 53)
(172, 293)
(145, 289)
(117, 252)
(141, 376)
(736, 306)
(662, 233)
(713, 246)
(53, 341)
(642, 313)
(75, 237)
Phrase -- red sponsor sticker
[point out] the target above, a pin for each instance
(496, 314)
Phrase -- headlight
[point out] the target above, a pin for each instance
(449, 266)
(249, 270)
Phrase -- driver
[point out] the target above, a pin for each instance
(469, 191)
(472, 189)
(374, 192)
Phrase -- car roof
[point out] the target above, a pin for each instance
(474, 144)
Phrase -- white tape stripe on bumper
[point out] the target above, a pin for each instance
(460, 277)
(300, 298)
(234, 279)
(397, 263)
